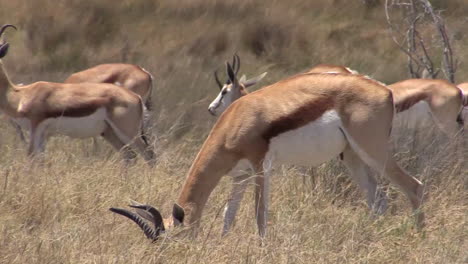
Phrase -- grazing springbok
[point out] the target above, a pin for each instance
(228, 92)
(306, 119)
(76, 110)
(436, 96)
(130, 76)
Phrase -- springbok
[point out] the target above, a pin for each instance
(464, 88)
(436, 96)
(228, 92)
(423, 99)
(420, 99)
(306, 119)
(76, 110)
(130, 76)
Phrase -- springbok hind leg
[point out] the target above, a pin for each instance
(361, 174)
(145, 150)
(373, 147)
(128, 154)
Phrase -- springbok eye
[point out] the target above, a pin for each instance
(224, 92)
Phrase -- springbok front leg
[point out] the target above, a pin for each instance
(262, 194)
(239, 185)
(37, 138)
(361, 174)
(19, 130)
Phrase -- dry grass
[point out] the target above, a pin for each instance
(57, 211)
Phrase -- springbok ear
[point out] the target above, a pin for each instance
(254, 80)
(243, 79)
(178, 213)
(4, 50)
(231, 74)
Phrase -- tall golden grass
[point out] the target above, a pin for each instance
(56, 210)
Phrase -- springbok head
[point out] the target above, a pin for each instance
(4, 45)
(233, 88)
(157, 224)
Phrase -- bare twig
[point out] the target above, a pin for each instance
(412, 43)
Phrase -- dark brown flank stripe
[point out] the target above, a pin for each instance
(78, 111)
(403, 105)
(301, 117)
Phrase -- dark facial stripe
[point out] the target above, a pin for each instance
(302, 116)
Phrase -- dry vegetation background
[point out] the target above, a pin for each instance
(57, 212)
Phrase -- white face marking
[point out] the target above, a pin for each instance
(224, 99)
(317, 142)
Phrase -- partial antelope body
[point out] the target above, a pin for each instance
(420, 99)
(76, 110)
(130, 76)
(330, 68)
(464, 89)
(423, 99)
(305, 119)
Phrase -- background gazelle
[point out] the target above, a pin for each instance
(76, 110)
(228, 91)
(130, 76)
(307, 119)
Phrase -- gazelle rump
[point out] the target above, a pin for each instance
(305, 119)
(77, 110)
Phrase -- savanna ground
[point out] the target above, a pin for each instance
(56, 211)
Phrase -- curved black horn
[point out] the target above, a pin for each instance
(230, 73)
(236, 70)
(217, 80)
(156, 217)
(234, 62)
(151, 233)
(5, 27)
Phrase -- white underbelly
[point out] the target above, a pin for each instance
(77, 127)
(310, 145)
(418, 115)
